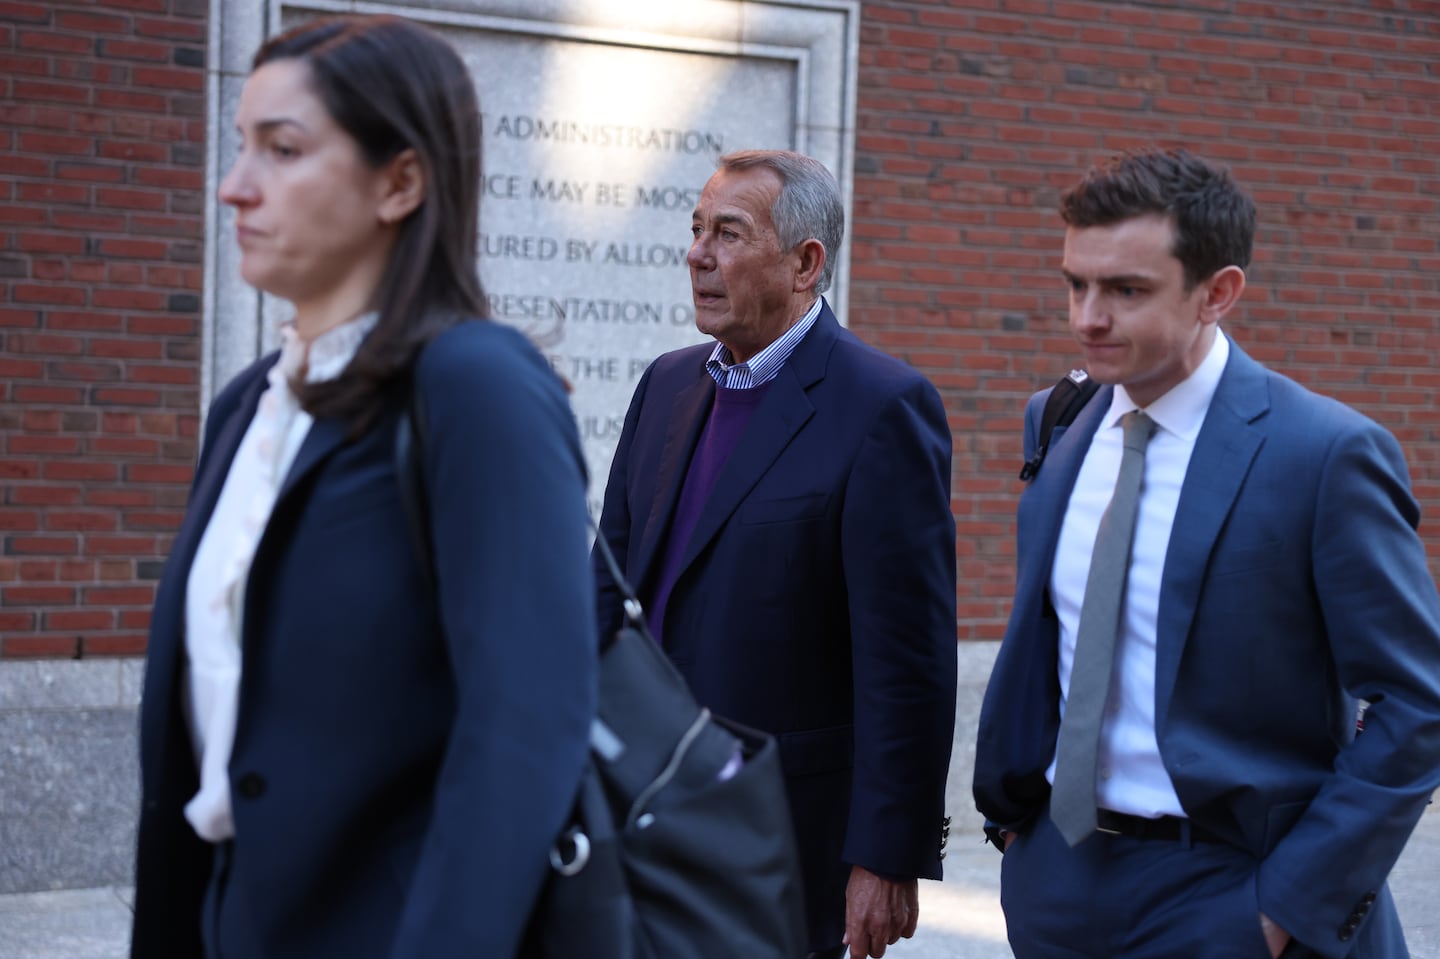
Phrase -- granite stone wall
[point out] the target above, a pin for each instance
(69, 779)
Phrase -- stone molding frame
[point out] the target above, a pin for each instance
(818, 40)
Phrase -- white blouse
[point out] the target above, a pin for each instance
(215, 591)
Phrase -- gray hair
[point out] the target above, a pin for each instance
(809, 206)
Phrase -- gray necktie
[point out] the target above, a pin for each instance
(1072, 803)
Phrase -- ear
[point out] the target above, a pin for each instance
(1222, 291)
(402, 187)
(811, 254)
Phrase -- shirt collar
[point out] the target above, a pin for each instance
(326, 356)
(765, 365)
(1182, 409)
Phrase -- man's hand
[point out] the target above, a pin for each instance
(1275, 937)
(878, 912)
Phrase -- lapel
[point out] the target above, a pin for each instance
(687, 417)
(209, 481)
(325, 436)
(167, 627)
(1224, 452)
(780, 415)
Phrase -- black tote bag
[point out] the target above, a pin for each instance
(682, 853)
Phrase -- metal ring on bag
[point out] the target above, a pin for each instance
(579, 852)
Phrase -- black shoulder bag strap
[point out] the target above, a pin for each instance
(409, 472)
(1065, 402)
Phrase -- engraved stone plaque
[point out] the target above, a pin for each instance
(595, 156)
(601, 124)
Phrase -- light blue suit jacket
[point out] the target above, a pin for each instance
(1294, 588)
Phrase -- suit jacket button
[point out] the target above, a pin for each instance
(1368, 898)
(1345, 933)
(251, 786)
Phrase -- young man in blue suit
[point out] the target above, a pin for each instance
(781, 500)
(1274, 584)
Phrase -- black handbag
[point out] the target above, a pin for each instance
(680, 845)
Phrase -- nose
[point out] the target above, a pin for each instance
(699, 255)
(1086, 311)
(237, 188)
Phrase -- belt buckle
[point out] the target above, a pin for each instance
(1105, 829)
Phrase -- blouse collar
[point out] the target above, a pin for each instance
(326, 356)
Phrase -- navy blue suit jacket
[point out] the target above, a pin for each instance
(1294, 586)
(816, 599)
(403, 758)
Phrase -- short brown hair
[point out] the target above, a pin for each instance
(1214, 218)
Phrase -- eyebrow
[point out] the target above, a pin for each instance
(722, 219)
(1123, 279)
(267, 125)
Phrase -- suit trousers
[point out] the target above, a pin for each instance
(1120, 897)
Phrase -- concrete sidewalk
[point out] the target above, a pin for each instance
(46, 789)
(960, 918)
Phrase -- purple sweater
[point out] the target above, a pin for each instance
(729, 413)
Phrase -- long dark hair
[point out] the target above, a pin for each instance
(394, 85)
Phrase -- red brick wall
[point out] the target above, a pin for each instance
(102, 129)
(975, 114)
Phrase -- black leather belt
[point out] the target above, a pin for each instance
(1173, 828)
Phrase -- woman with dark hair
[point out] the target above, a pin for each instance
(354, 742)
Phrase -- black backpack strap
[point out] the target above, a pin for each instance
(1065, 402)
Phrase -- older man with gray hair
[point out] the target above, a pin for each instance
(781, 501)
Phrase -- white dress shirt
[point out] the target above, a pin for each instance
(215, 590)
(1132, 778)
